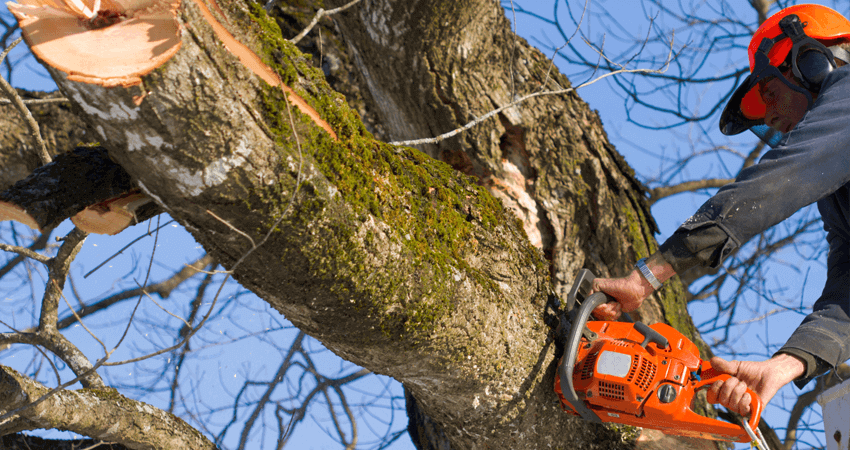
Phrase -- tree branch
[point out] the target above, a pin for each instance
(659, 193)
(163, 289)
(16, 100)
(101, 413)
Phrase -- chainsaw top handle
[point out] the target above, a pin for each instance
(565, 370)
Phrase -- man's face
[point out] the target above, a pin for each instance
(785, 106)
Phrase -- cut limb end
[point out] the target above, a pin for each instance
(11, 211)
(111, 216)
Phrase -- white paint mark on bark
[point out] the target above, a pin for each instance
(134, 141)
(187, 182)
(193, 183)
(117, 111)
(216, 173)
(138, 142)
(112, 430)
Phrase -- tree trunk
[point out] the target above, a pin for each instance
(410, 264)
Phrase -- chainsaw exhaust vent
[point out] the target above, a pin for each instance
(645, 371)
(646, 374)
(587, 368)
(612, 391)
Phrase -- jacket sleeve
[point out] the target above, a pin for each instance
(813, 162)
(823, 339)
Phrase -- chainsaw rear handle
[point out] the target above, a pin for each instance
(756, 405)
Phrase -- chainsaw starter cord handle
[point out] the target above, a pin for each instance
(565, 371)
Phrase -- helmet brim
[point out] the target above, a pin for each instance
(744, 109)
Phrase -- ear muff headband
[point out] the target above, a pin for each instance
(811, 61)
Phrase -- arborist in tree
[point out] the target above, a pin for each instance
(798, 94)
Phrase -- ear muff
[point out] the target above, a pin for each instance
(813, 67)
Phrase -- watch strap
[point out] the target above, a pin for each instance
(644, 270)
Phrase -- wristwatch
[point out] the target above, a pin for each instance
(644, 270)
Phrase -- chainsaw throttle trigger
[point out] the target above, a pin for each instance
(725, 428)
(650, 335)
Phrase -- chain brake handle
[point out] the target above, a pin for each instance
(578, 318)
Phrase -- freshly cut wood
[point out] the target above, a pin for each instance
(11, 211)
(105, 42)
(111, 216)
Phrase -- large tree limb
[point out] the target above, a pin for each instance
(102, 414)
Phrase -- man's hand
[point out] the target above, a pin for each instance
(631, 290)
(765, 378)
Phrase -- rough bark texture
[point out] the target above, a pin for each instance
(404, 264)
(21, 441)
(100, 414)
(431, 67)
(61, 130)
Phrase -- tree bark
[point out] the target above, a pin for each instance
(99, 413)
(61, 130)
(410, 264)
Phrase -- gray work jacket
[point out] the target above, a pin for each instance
(812, 164)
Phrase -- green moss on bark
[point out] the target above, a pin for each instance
(433, 212)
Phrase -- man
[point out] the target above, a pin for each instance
(799, 88)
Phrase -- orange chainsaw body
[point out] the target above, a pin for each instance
(622, 378)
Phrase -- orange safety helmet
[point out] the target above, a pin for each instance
(805, 27)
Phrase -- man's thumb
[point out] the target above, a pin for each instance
(721, 365)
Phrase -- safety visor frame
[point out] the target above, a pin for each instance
(733, 120)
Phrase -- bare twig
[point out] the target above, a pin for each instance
(38, 244)
(319, 14)
(36, 101)
(688, 186)
(494, 112)
(23, 251)
(13, 96)
(163, 289)
(150, 232)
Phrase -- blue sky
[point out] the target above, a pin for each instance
(224, 369)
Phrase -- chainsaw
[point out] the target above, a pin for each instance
(635, 374)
